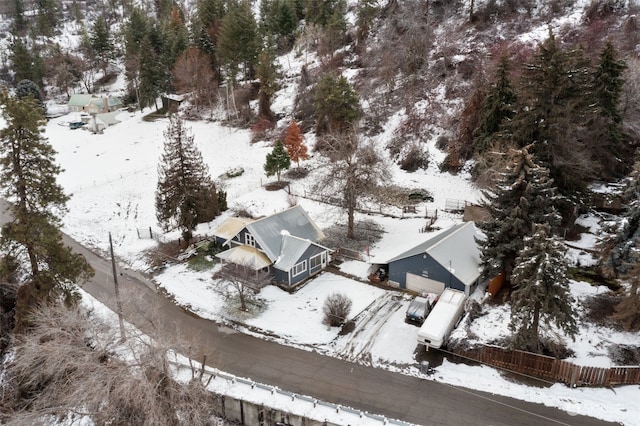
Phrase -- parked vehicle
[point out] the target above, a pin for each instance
(420, 307)
(442, 319)
(76, 125)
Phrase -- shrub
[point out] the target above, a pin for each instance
(336, 308)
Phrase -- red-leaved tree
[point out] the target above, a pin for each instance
(293, 142)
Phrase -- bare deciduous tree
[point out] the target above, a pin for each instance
(244, 278)
(192, 73)
(630, 97)
(336, 308)
(73, 365)
(627, 312)
(355, 171)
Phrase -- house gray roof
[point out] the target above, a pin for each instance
(292, 248)
(455, 249)
(268, 231)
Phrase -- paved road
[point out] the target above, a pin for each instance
(374, 390)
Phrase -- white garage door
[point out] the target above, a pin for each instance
(423, 285)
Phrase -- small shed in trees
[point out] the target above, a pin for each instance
(285, 243)
(449, 259)
(171, 102)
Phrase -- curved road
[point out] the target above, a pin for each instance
(369, 389)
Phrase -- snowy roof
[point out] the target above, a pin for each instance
(245, 255)
(79, 100)
(109, 118)
(440, 317)
(231, 226)
(454, 249)
(268, 231)
(292, 248)
(82, 100)
(174, 97)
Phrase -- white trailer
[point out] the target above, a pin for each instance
(444, 316)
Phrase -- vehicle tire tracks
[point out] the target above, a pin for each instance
(369, 322)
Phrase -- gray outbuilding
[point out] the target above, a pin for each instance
(448, 259)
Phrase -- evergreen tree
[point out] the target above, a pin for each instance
(206, 28)
(101, 43)
(26, 88)
(18, 16)
(239, 44)
(293, 141)
(336, 104)
(609, 143)
(367, 12)
(335, 30)
(136, 29)
(28, 177)
(277, 160)
(540, 290)
(523, 197)
(135, 32)
(27, 64)
(267, 73)
(498, 108)
(278, 19)
(47, 16)
(621, 250)
(552, 114)
(177, 36)
(151, 75)
(185, 195)
(319, 11)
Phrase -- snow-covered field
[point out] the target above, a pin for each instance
(112, 178)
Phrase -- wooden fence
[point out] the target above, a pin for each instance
(552, 369)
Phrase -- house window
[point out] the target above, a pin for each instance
(300, 268)
(315, 261)
(249, 240)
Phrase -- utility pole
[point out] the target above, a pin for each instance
(115, 283)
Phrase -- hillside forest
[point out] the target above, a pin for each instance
(537, 101)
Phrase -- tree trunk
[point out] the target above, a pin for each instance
(350, 221)
(535, 341)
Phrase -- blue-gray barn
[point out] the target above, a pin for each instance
(286, 244)
(448, 259)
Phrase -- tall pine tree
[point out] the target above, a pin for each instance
(185, 195)
(540, 290)
(28, 178)
(609, 147)
(498, 107)
(552, 112)
(523, 197)
(239, 44)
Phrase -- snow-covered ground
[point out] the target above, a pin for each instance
(112, 179)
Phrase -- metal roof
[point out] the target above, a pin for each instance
(455, 249)
(292, 249)
(245, 255)
(268, 231)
